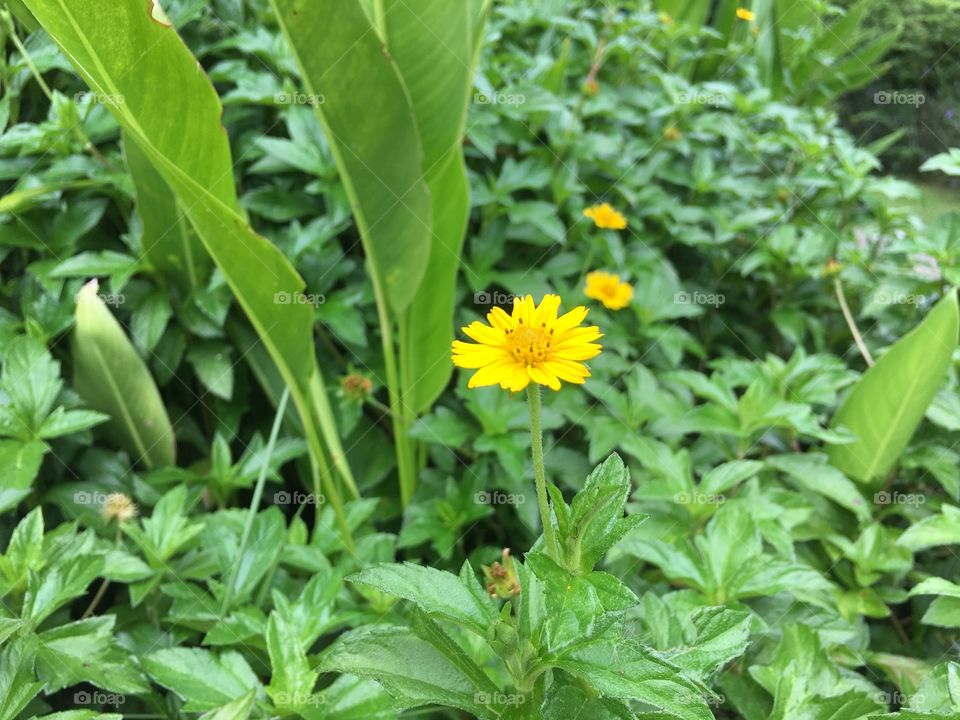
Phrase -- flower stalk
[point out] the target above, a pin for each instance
(539, 473)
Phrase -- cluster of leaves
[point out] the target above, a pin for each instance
(771, 580)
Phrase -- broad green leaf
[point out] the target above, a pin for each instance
(352, 698)
(168, 242)
(431, 42)
(411, 669)
(365, 111)
(888, 402)
(202, 679)
(722, 635)
(111, 377)
(104, 39)
(437, 593)
(811, 471)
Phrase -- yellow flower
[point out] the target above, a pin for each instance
(118, 506)
(607, 288)
(591, 87)
(672, 133)
(605, 217)
(531, 344)
(745, 14)
(665, 18)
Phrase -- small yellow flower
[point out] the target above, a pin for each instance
(118, 506)
(605, 217)
(591, 86)
(665, 18)
(831, 268)
(607, 288)
(531, 344)
(745, 14)
(672, 133)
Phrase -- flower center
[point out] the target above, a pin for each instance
(529, 345)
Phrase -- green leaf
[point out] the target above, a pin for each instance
(110, 375)
(437, 593)
(721, 635)
(811, 471)
(168, 242)
(888, 402)
(413, 671)
(369, 124)
(431, 42)
(942, 529)
(100, 37)
(624, 670)
(202, 679)
(17, 685)
(238, 709)
(213, 363)
(292, 680)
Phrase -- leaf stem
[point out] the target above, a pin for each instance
(255, 501)
(536, 442)
(851, 323)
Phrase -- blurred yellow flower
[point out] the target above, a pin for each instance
(591, 87)
(608, 289)
(745, 14)
(672, 133)
(665, 18)
(605, 217)
(531, 344)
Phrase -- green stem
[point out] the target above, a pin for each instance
(397, 415)
(536, 437)
(255, 501)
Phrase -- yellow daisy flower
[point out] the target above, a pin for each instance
(745, 14)
(531, 344)
(607, 288)
(605, 217)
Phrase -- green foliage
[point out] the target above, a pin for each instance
(722, 553)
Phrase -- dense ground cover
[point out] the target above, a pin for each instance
(742, 522)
